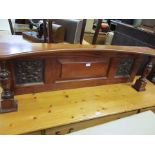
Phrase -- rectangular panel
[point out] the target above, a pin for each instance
(74, 69)
(28, 71)
(124, 67)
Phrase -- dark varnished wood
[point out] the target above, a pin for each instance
(140, 83)
(15, 50)
(7, 103)
(83, 29)
(76, 69)
(50, 34)
(97, 31)
(42, 67)
(45, 30)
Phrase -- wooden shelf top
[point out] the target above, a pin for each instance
(13, 50)
(51, 109)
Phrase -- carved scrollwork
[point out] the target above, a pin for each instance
(124, 67)
(28, 71)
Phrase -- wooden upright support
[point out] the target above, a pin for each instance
(83, 29)
(140, 83)
(45, 30)
(11, 26)
(97, 31)
(50, 33)
(7, 103)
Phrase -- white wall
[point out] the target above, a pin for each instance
(89, 25)
(4, 25)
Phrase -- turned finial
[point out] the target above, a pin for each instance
(140, 83)
(7, 103)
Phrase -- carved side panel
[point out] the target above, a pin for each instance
(29, 71)
(124, 67)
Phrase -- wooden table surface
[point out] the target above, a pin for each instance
(51, 109)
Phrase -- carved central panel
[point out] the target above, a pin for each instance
(28, 71)
(124, 67)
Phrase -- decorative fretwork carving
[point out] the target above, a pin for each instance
(28, 71)
(124, 67)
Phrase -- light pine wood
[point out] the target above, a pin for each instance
(65, 129)
(57, 108)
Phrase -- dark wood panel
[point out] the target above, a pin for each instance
(16, 50)
(71, 69)
(36, 71)
(80, 70)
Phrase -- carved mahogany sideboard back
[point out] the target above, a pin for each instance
(31, 68)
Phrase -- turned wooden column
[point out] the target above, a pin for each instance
(140, 83)
(7, 103)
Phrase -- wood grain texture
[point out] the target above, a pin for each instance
(53, 109)
(65, 129)
(14, 50)
(70, 70)
(43, 67)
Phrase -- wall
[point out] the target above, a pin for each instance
(4, 25)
